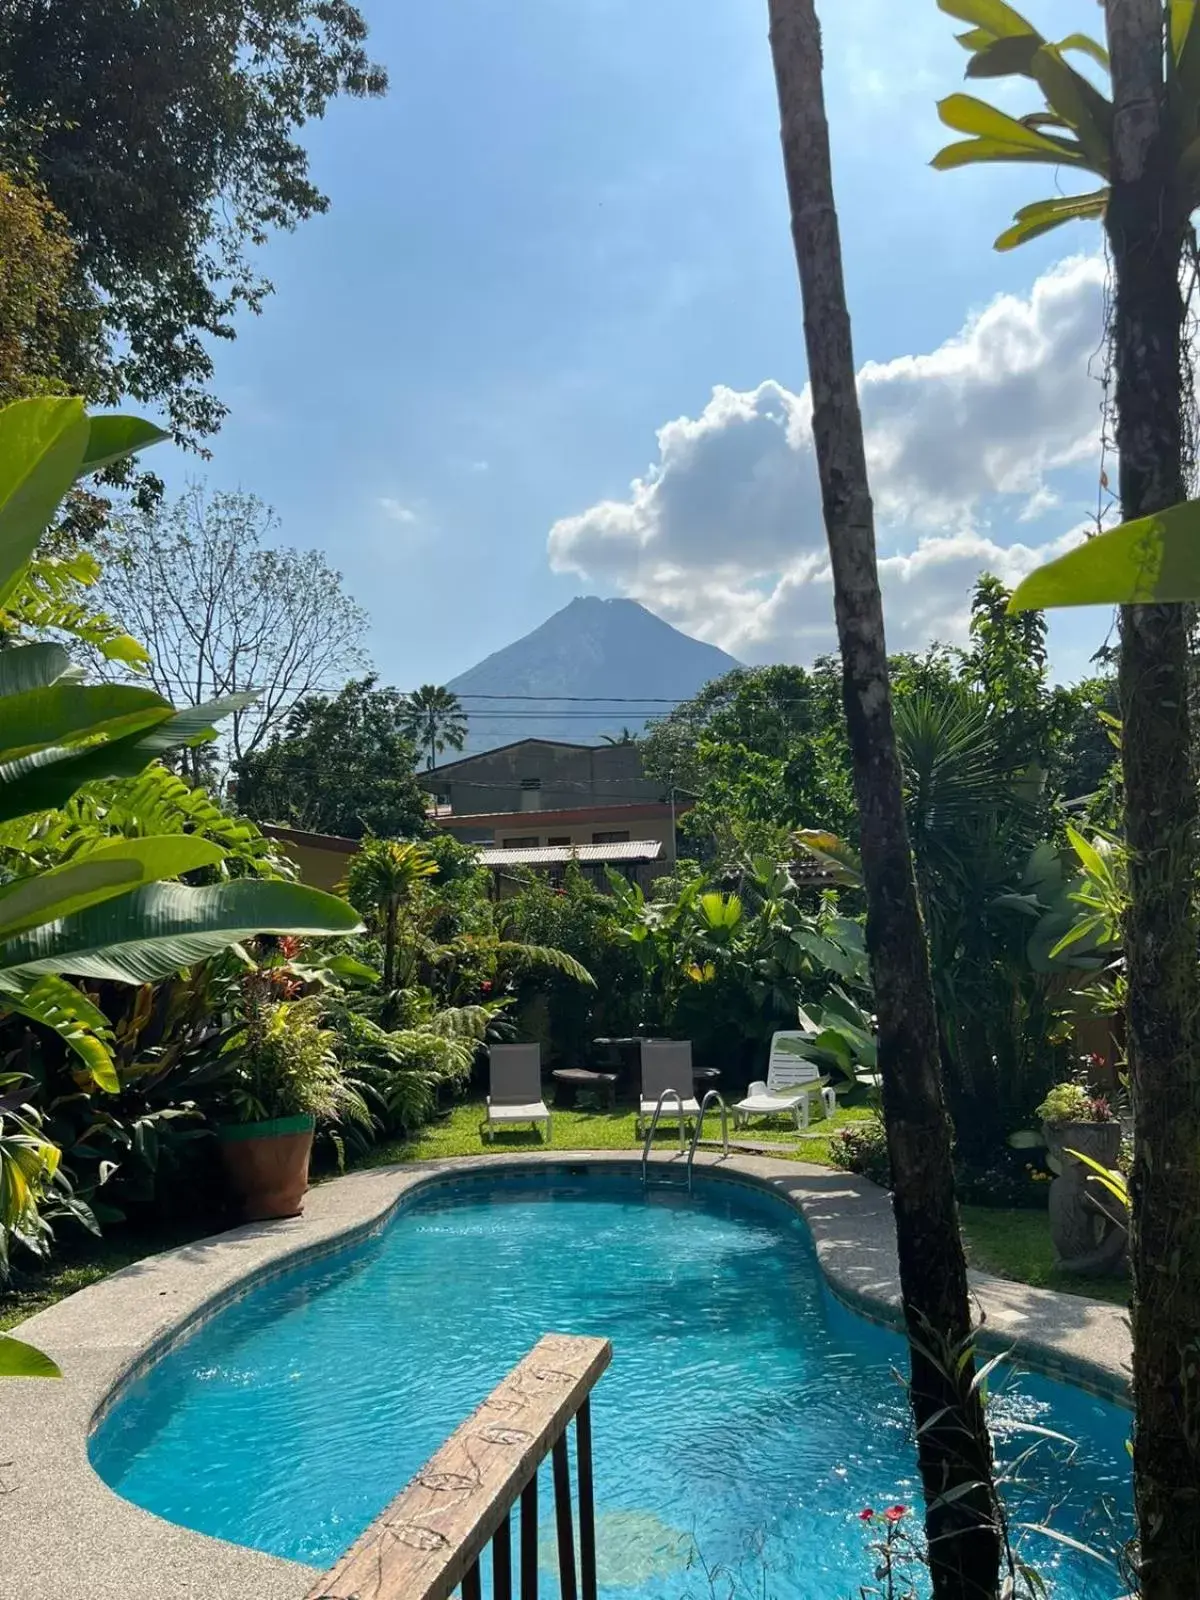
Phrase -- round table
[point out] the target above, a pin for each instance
(574, 1081)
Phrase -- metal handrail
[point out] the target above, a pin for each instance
(667, 1094)
(704, 1105)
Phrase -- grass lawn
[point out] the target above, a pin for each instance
(457, 1134)
(1016, 1244)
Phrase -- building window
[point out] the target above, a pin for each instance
(559, 838)
(617, 836)
(518, 844)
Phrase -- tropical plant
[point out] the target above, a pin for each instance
(382, 878)
(93, 904)
(281, 1062)
(434, 720)
(954, 1449)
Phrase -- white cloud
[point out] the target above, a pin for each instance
(396, 511)
(723, 533)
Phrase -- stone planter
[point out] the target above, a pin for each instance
(1088, 1232)
(267, 1165)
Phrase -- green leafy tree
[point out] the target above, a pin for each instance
(435, 721)
(343, 764)
(164, 239)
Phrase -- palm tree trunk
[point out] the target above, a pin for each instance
(953, 1444)
(1146, 228)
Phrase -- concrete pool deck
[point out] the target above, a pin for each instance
(65, 1535)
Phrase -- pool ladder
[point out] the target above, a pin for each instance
(672, 1094)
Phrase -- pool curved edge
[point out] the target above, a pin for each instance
(93, 1545)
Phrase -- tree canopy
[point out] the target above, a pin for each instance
(343, 764)
(165, 135)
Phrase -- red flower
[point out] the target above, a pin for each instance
(867, 1515)
(894, 1513)
(485, 987)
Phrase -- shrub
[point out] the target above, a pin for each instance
(862, 1148)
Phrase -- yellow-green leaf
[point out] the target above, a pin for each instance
(21, 1360)
(1080, 103)
(967, 114)
(1152, 559)
(997, 18)
(1086, 45)
(1043, 215)
(966, 152)
(1182, 15)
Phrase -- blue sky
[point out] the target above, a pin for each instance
(560, 232)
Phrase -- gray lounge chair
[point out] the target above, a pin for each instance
(666, 1064)
(515, 1085)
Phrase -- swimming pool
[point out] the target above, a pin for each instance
(747, 1416)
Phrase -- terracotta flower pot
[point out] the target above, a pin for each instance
(267, 1165)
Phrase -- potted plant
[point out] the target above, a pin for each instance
(1082, 1136)
(282, 1075)
(1072, 1117)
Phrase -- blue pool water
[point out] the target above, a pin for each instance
(746, 1418)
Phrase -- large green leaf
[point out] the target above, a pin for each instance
(31, 666)
(64, 713)
(113, 438)
(42, 442)
(1150, 560)
(21, 1360)
(48, 778)
(1044, 215)
(112, 868)
(153, 932)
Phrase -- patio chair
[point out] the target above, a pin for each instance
(515, 1088)
(666, 1064)
(793, 1084)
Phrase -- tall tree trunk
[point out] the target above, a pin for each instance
(953, 1444)
(1146, 228)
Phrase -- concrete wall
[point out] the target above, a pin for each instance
(568, 776)
(533, 833)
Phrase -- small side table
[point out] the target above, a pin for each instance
(573, 1081)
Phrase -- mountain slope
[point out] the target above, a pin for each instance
(615, 650)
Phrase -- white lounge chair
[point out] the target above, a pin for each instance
(666, 1064)
(515, 1084)
(793, 1083)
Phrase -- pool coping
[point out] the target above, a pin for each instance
(63, 1531)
